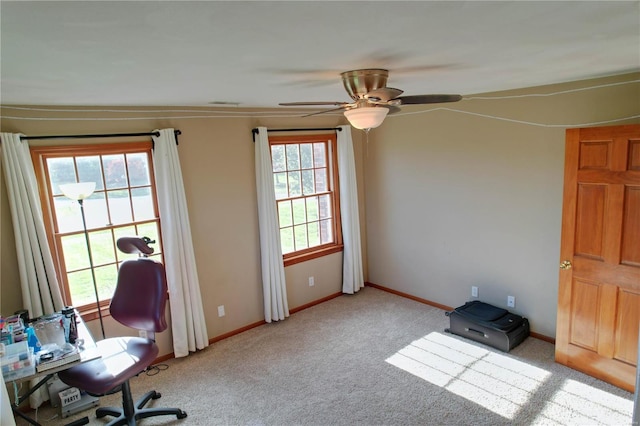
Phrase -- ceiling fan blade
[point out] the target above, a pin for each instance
(325, 111)
(427, 99)
(340, 104)
(392, 109)
(383, 94)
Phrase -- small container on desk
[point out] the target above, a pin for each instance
(18, 361)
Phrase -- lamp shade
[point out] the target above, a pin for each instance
(366, 117)
(78, 191)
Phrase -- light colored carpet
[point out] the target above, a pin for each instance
(372, 359)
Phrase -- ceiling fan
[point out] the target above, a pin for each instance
(372, 99)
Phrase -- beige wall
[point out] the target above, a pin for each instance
(449, 200)
(217, 160)
(455, 200)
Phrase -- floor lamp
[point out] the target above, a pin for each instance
(78, 192)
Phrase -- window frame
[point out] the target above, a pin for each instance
(39, 156)
(330, 139)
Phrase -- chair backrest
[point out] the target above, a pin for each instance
(140, 296)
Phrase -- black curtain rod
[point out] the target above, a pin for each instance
(254, 131)
(104, 135)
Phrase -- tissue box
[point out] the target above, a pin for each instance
(18, 361)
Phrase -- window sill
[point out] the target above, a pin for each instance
(91, 314)
(303, 257)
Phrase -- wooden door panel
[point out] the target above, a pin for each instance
(634, 155)
(599, 271)
(584, 314)
(630, 254)
(599, 296)
(615, 373)
(590, 220)
(595, 155)
(612, 177)
(626, 348)
(607, 306)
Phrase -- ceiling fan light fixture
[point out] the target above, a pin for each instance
(366, 117)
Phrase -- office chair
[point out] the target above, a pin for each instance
(138, 302)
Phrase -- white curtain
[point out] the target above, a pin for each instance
(352, 275)
(187, 315)
(273, 279)
(40, 291)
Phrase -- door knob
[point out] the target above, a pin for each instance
(565, 264)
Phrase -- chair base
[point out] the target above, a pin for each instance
(130, 412)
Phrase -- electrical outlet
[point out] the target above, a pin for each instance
(142, 333)
(311, 282)
(474, 291)
(221, 310)
(511, 301)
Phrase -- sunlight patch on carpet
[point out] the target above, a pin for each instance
(494, 381)
(505, 385)
(588, 404)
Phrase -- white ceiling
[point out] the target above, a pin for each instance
(260, 53)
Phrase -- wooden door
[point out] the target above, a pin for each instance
(599, 288)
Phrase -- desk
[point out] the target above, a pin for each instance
(88, 352)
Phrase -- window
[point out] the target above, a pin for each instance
(305, 180)
(123, 204)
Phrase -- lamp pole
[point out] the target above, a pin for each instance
(93, 273)
(78, 192)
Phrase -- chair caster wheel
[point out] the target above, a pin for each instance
(156, 395)
(182, 415)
